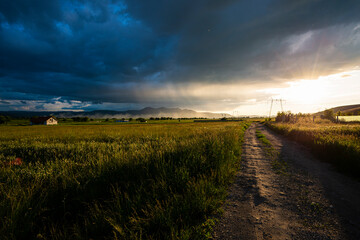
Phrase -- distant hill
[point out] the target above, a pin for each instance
(348, 109)
(145, 112)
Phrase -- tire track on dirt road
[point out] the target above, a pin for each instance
(265, 205)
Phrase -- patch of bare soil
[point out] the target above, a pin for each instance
(307, 201)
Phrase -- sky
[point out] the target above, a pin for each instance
(229, 56)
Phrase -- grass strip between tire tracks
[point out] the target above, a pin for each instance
(277, 163)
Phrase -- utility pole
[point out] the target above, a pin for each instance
(272, 100)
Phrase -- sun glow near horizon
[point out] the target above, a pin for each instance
(301, 91)
(305, 95)
(335, 89)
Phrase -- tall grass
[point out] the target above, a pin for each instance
(115, 182)
(338, 144)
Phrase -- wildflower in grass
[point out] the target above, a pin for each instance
(16, 162)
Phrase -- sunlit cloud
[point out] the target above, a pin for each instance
(55, 104)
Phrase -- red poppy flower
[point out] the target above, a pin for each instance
(16, 162)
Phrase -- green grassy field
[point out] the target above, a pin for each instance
(69, 122)
(128, 181)
(338, 144)
(349, 118)
(113, 122)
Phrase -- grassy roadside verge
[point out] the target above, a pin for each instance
(277, 163)
(116, 182)
(336, 144)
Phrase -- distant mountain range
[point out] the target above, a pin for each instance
(145, 113)
(352, 109)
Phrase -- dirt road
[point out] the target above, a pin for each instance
(306, 200)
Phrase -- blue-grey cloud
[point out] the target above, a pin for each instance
(131, 51)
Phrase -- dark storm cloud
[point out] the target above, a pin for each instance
(124, 51)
